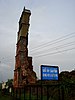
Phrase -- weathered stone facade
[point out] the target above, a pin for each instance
(23, 73)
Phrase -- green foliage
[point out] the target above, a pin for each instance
(9, 82)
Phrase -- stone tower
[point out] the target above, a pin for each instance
(23, 73)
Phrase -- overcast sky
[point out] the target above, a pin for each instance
(50, 21)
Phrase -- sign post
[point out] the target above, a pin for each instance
(49, 73)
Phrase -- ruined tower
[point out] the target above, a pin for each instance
(23, 73)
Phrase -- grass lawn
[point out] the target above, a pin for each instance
(5, 97)
(27, 97)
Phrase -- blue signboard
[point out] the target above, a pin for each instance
(49, 72)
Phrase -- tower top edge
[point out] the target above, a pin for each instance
(26, 10)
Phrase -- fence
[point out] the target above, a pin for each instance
(45, 92)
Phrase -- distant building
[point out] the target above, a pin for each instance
(23, 73)
(3, 85)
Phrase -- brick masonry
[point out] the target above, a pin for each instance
(23, 73)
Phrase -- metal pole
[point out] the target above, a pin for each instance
(37, 92)
(47, 92)
(62, 92)
(30, 92)
(24, 92)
